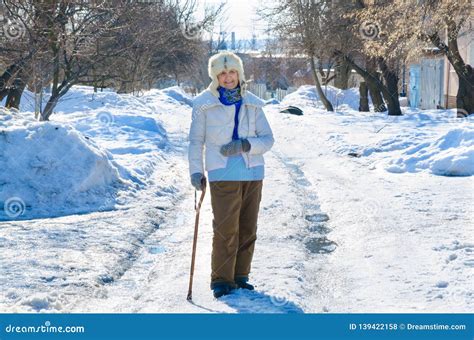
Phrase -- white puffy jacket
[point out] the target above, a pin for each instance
(212, 126)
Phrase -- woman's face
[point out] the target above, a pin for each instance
(228, 79)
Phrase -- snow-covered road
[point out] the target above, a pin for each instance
(335, 233)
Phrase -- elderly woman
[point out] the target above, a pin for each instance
(229, 124)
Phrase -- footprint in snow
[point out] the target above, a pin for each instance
(320, 245)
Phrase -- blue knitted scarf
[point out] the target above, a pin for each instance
(232, 97)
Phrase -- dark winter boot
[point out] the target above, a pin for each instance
(242, 282)
(221, 288)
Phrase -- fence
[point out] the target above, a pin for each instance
(260, 90)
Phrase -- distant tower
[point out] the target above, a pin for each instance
(222, 42)
(232, 46)
(254, 42)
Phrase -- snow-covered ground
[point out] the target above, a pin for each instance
(360, 212)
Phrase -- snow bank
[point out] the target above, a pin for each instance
(178, 94)
(51, 169)
(452, 154)
(83, 98)
(138, 122)
(340, 99)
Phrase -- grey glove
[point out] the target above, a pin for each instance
(235, 147)
(198, 180)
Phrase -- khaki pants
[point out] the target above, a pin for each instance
(235, 206)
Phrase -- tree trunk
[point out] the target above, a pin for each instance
(327, 104)
(342, 72)
(465, 95)
(376, 96)
(48, 110)
(14, 94)
(56, 95)
(363, 97)
(5, 79)
(374, 90)
(391, 95)
(16, 90)
(12, 72)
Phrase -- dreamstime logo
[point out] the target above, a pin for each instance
(89, 40)
(207, 105)
(380, 108)
(107, 204)
(368, 210)
(369, 30)
(192, 31)
(362, 211)
(105, 118)
(159, 270)
(13, 29)
(280, 300)
(76, 258)
(14, 207)
(201, 109)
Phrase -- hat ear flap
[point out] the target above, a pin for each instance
(213, 86)
(243, 86)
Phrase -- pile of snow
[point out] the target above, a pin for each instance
(400, 141)
(340, 99)
(51, 169)
(134, 121)
(452, 154)
(82, 98)
(178, 94)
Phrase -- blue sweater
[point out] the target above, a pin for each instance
(236, 170)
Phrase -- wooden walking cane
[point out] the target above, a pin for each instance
(196, 224)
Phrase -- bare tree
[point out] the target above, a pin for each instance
(21, 43)
(302, 23)
(124, 44)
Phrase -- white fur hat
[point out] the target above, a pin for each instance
(225, 61)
